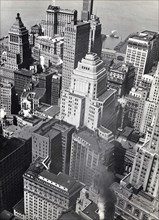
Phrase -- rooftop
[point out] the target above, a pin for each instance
(60, 181)
(26, 131)
(23, 72)
(70, 215)
(20, 206)
(91, 211)
(48, 110)
(33, 119)
(39, 93)
(106, 95)
(5, 215)
(12, 128)
(96, 143)
(142, 199)
(7, 146)
(146, 36)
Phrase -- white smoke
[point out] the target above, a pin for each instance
(101, 207)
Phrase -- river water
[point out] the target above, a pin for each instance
(125, 16)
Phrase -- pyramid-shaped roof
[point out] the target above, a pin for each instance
(18, 27)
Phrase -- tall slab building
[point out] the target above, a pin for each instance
(142, 52)
(56, 19)
(87, 10)
(76, 43)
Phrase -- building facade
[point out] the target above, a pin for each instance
(47, 195)
(88, 98)
(19, 51)
(142, 52)
(15, 158)
(22, 79)
(88, 152)
(53, 140)
(76, 44)
(87, 10)
(56, 20)
(121, 78)
(5, 97)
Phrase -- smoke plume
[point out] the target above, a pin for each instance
(107, 198)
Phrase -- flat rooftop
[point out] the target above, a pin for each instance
(26, 131)
(142, 199)
(5, 215)
(146, 36)
(48, 110)
(107, 94)
(91, 211)
(70, 215)
(12, 128)
(7, 146)
(60, 181)
(24, 72)
(39, 93)
(97, 143)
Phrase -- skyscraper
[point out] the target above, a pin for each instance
(56, 20)
(18, 54)
(88, 152)
(53, 140)
(18, 45)
(76, 43)
(145, 169)
(87, 10)
(151, 103)
(22, 79)
(142, 52)
(15, 158)
(87, 101)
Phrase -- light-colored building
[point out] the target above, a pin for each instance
(142, 52)
(47, 195)
(49, 51)
(87, 102)
(56, 20)
(151, 103)
(133, 100)
(137, 193)
(95, 38)
(5, 97)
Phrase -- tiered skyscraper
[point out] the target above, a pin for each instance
(86, 102)
(18, 55)
(18, 45)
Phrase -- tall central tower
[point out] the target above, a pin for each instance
(18, 41)
(87, 10)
